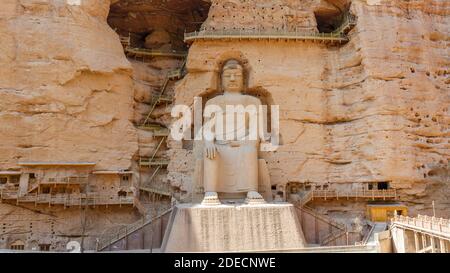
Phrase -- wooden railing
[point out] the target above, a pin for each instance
(348, 23)
(127, 230)
(264, 35)
(158, 130)
(67, 199)
(424, 222)
(334, 194)
(9, 194)
(367, 194)
(125, 41)
(65, 180)
(339, 35)
(108, 200)
(161, 189)
(148, 162)
(161, 99)
(155, 52)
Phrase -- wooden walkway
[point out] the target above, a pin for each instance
(148, 162)
(309, 196)
(339, 36)
(67, 200)
(144, 52)
(165, 191)
(242, 35)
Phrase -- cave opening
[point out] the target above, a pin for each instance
(330, 17)
(157, 25)
(152, 34)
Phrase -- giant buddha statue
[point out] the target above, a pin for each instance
(230, 156)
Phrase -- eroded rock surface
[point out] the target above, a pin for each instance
(375, 109)
(372, 110)
(66, 86)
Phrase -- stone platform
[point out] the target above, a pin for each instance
(233, 227)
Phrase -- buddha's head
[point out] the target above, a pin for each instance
(233, 77)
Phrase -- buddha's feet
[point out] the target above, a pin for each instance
(211, 199)
(254, 197)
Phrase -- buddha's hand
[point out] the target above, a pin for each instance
(211, 150)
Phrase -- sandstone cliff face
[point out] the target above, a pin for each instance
(404, 53)
(66, 96)
(65, 86)
(373, 110)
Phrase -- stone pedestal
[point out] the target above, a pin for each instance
(233, 227)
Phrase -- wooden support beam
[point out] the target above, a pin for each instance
(416, 241)
(316, 230)
(442, 246)
(433, 247)
(424, 241)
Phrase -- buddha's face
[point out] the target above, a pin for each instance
(233, 78)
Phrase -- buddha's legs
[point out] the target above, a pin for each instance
(233, 170)
(249, 171)
(211, 179)
(211, 174)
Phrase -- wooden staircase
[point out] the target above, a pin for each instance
(125, 41)
(161, 97)
(177, 73)
(34, 185)
(103, 243)
(158, 130)
(156, 101)
(153, 161)
(333, 237)
(324, 218)
(139, 206)
(306, 198)
(348, 23)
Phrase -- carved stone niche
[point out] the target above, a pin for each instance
(231, 170)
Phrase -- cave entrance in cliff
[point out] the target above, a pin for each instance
(331, 16)
(158, 24)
